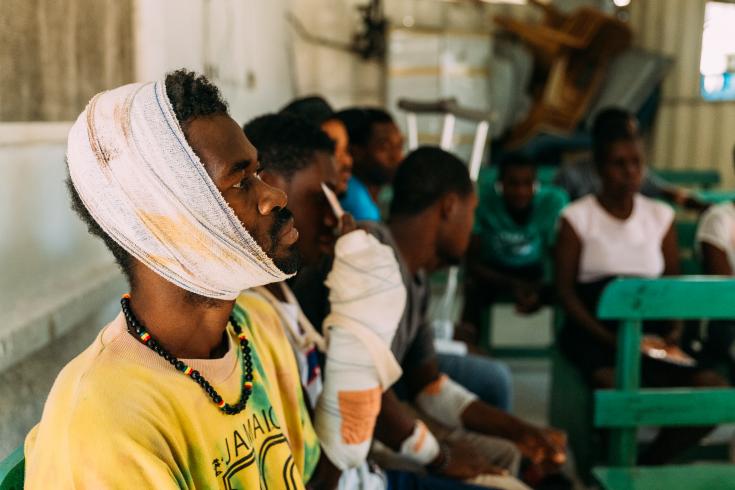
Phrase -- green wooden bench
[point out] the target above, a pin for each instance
(628, 407)
(12, 470)
(686, 231)
(690, 177)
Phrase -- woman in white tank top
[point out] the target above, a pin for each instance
(619, 232)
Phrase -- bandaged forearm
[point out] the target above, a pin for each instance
(445, 400)
(421, 446)
(367, 299)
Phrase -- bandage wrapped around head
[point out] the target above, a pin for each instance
(133, 169)
(367, 299)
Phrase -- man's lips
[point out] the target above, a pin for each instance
(289, 234)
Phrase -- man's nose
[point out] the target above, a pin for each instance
(269, 198)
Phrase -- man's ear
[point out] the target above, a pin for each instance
(448, 205)
(274, 180)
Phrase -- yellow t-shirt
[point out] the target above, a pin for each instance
(120, 416)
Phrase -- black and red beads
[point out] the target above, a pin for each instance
(137, 330)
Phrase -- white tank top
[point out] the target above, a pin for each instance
(615, 247)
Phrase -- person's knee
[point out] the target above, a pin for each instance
(710, 379)
(495, 382)
(603, 378)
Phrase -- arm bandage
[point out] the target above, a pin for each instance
(445, 400)
(421, 446)
(367, 299)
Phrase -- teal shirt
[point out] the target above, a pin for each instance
(509, 245)
(358, 203)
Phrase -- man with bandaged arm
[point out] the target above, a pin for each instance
(431, 221)
(297, 157)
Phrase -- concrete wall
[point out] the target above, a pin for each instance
(54, 59)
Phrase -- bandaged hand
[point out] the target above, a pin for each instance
(367, 298)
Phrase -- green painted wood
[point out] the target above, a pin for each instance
(668, 407)
(690, 177)
(715, 196)
(12, 470)
(690, 297)
(684, 477)
(623, 448)
(521, 352)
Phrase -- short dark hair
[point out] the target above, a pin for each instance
(312, 108)
(286, 143)
(359, 122)
(611, 126)
(514, 159)
(425, 176)
(191, 96)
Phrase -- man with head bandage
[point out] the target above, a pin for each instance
(194, 384)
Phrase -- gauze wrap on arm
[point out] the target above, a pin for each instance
(367, 299)
(444, 400)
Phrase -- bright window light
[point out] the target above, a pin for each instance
(717, 63)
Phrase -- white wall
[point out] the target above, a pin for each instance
(243, 45)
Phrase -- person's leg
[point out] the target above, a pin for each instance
(477, 297)
(404, 480)
(672, 441)
(718, 347)
(490, 380)
(498, 452)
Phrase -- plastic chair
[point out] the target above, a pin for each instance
(12, 470)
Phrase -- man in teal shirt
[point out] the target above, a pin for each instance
(376, 146)
(515, 227)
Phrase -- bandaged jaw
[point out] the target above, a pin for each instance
(133, 169)
(444, 400)
(367, 299)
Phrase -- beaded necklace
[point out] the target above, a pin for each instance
(137, 330)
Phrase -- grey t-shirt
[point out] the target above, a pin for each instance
(414, 340)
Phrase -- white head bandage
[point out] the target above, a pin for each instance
(146, 188)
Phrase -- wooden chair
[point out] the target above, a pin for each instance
(12, 470)
(623, 409)
(577, 49)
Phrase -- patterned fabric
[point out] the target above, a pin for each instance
(119, 416)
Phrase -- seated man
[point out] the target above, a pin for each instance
(192, 385)
(376, 146)
(432, 218)
(515, 225)
(295, 157)
(316, 110)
